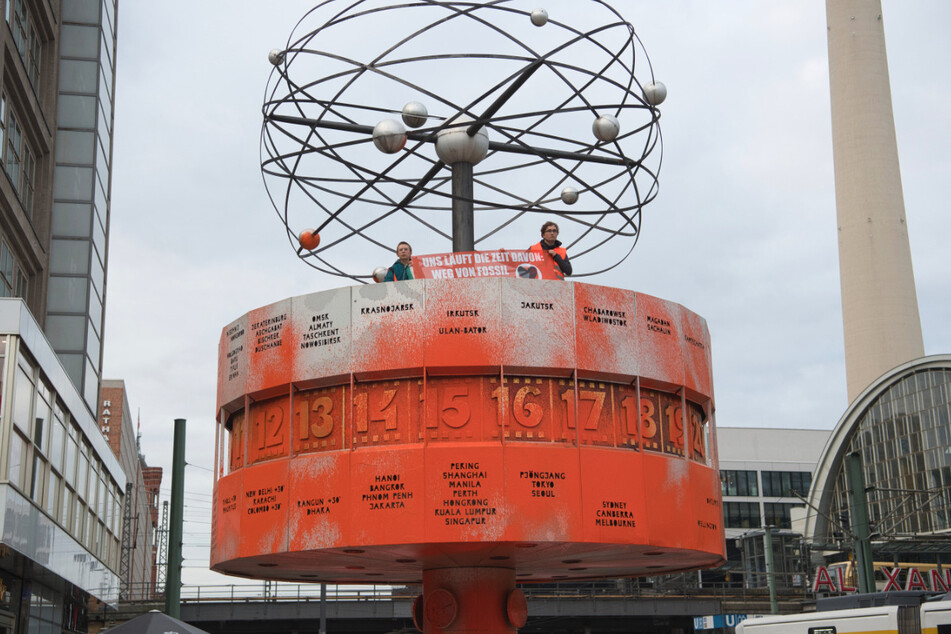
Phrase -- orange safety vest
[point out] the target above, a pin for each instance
(559, 250)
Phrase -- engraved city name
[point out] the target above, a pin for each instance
(233, 359)
(263, 499)
(604, 316)
(321, 331)
(466, 506)
(314, 506)
(613, 513)
(538, 306)
(658, 325)
(543, 482)
(386, 308)
(694, 342)
(267, 332)
(462, 330)
(387, 491)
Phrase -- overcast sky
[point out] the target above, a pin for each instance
(743, 231)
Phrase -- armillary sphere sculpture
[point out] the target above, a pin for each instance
(465, 121)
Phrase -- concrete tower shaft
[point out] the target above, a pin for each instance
(879, 304)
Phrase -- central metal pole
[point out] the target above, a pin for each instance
(463, 224)
(471, 600)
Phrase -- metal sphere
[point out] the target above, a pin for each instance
(415, 114)
(539, 17)
(655, 93)
(276, 56)
(309, 239)
(606, 128)
(569, 195)
(389, 136)
(379, 274)
(454, 145)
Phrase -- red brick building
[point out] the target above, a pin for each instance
(138, 555)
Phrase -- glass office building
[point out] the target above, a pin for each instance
(60, 489)
(61, 486)
(81, 188)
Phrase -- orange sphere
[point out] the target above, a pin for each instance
(309, 239)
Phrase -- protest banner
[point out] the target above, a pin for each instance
(502, 263)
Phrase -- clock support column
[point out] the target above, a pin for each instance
(463, 227)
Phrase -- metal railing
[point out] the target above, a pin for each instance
(288, 592)
(620, 588)
(685, 585)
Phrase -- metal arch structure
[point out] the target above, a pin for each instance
(538, 86)
(821, 501)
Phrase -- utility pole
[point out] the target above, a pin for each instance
(173, 586)
(125, 552)
(161, 556)
(770, 569)
(323, 608)
(858, 503)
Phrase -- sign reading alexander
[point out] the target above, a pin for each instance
(836, 579)
(534, 265)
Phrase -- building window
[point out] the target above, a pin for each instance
(52, 495)
(22, 400)
(25, 38)
(741, 515)
(12, 279)
(16, 460)
(27, 180)
(786, 483)
(46, 613)
(739, 483)
(79, 521)
(18, 158)
(11, 149)
(777, 514)
(38, 479)
(66, 512)
(82, 473)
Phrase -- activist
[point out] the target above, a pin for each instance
(550, 243)
(402, 269)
